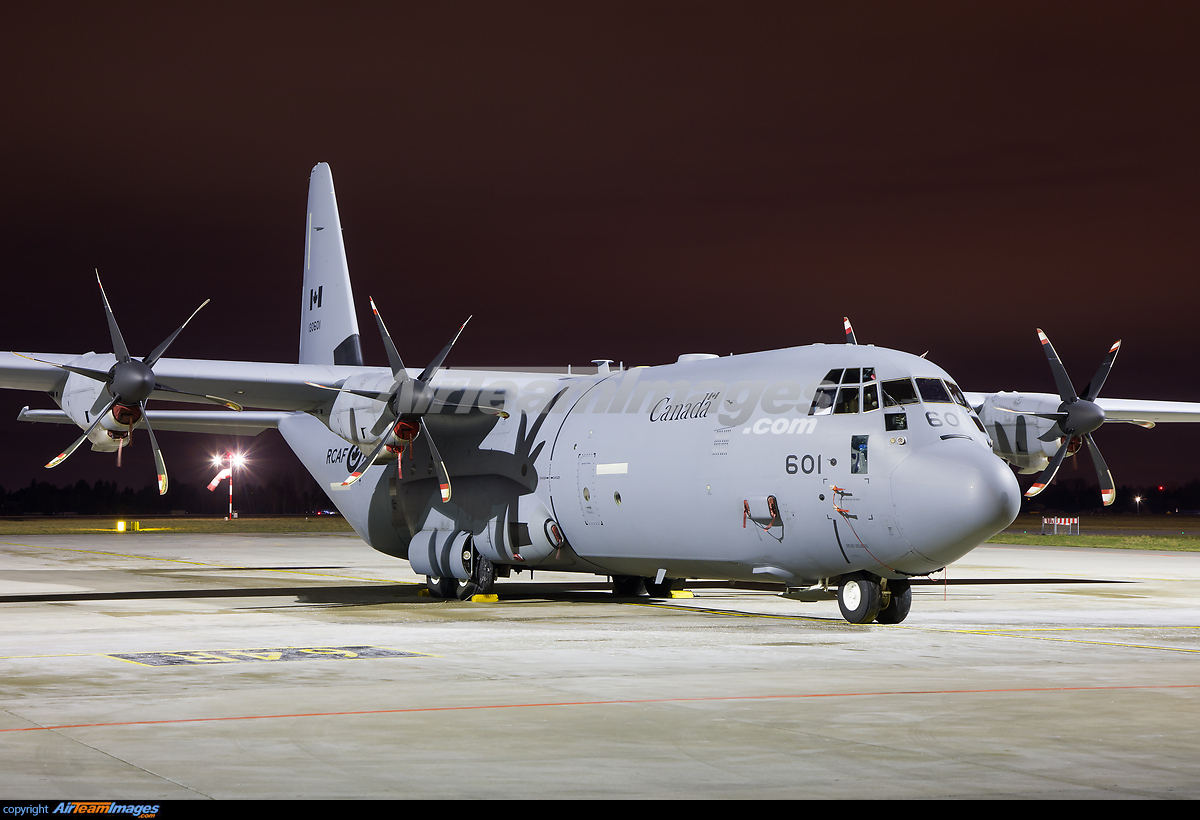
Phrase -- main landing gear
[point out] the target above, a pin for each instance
(481, 582)
(863, 598)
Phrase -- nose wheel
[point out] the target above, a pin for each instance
(859, 598)
(862, 598)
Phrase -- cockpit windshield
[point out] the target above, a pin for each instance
(932, 390)
(898, 391)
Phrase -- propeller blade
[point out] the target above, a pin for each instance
(438, 465)
(850, 340)
(491, 411)
(166, 388)
(436, 364)
(1093, 388)
(355, 476)
(366, 394)
(1108, 490)
(398, 371)
(61, 457)
(118, 342)
(98, 375)
(1066, 391)
(1048, 474)
(160, 466)
(153, 358)
(1054, 432)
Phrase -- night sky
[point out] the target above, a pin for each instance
(625, 181)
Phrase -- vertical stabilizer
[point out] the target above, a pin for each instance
(328, 325)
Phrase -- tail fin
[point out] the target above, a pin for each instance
(328, 324)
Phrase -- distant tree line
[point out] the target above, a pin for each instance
(288, 494)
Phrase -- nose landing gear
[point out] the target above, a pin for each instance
(863, 598)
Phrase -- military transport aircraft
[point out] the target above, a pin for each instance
(847, 467)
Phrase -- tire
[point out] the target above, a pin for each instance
(899, 605)
(859, 598)
(483, 579)
(662, 590)
(628, 586)
(442, 587)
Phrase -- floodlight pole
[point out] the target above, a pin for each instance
(230, 457)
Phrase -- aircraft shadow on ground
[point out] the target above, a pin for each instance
(371, 595)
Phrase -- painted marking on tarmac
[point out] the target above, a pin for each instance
(625, 702)
(282, 653)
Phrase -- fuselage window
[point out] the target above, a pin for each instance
(932, 390)
(847, 400)
(870, 398)
(897, 392)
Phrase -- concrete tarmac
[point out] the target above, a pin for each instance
(172, 667)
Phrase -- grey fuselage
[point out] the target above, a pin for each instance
(728, 468)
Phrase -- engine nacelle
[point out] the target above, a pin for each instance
(79, 396)
(352, 417)
(1015, 433)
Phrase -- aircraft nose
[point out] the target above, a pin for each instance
(950, 496)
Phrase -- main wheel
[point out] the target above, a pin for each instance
(898, 605)
(662, 590)
(859, 598)
(442, 587)
(628, 586)
(483, 578)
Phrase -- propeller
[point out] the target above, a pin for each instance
(128, 385)
(1077, 417)
(405, 404)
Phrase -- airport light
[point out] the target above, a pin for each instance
(235, 461)
(1137, 499)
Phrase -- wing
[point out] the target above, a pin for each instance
(227, 422)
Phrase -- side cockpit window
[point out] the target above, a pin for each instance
(959, 398)
(858, 392)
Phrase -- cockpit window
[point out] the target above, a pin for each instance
(897, 392)
(957, 394)
(932, 390)
(847, 400)
(822, 404)
(870, 397)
